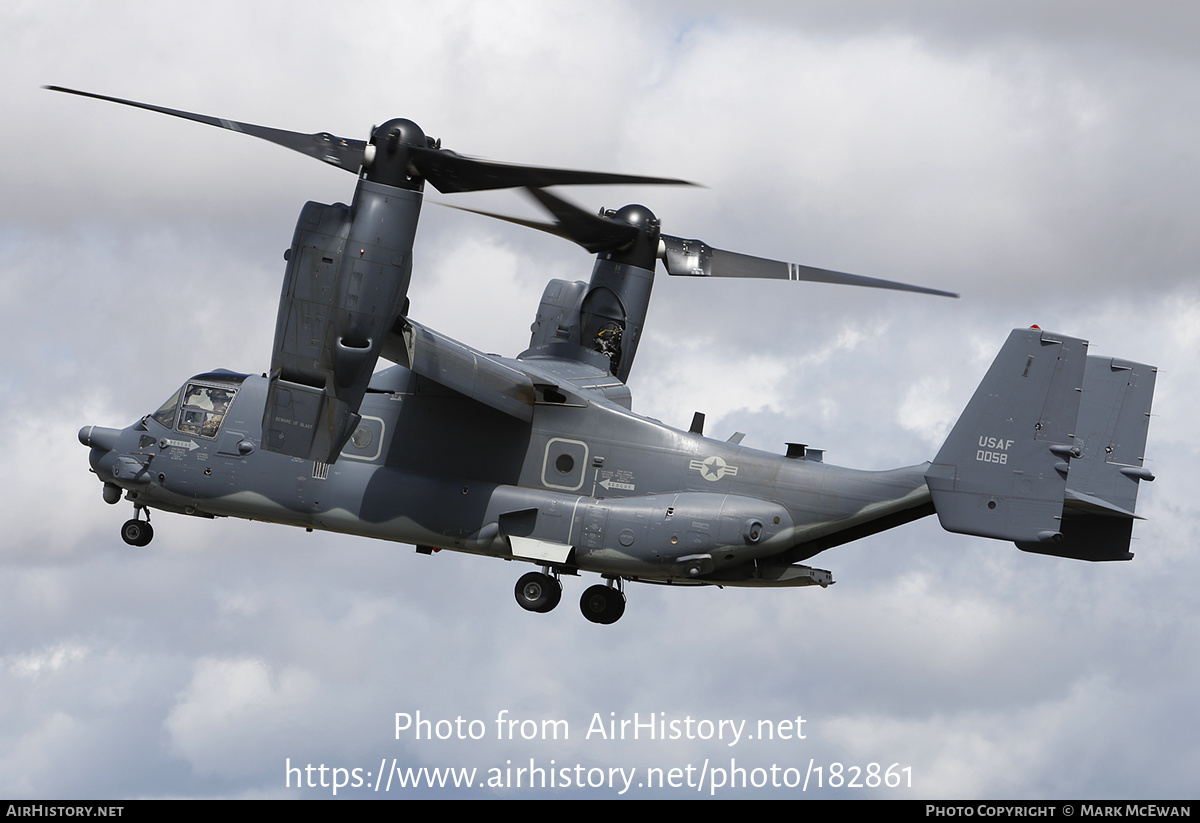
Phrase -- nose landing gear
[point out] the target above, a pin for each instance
(137, 532)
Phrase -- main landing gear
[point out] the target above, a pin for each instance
(137, 532)
(603, 604)
(541, 592)
(538, 592)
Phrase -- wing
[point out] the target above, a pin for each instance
(514, 387)
(456, 366)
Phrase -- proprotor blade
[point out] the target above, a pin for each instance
(695, 258)
(595, 233)
(449, 172)
(337, 151)
(590, 230)
(600, 233)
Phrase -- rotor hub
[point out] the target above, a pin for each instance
(387, 158)
(637, 216)
(642, 251)
(395, 133)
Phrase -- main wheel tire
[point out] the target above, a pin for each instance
(137, 532)
(602, 604)
(538, 592)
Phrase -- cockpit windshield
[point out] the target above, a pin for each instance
(166, 412)
(199, 407)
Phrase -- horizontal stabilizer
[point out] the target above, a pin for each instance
(1088, 537)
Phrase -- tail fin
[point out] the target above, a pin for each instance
(1106, 465)
(1048, 453)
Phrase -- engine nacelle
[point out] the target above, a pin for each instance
(346, 283)
(599, 323)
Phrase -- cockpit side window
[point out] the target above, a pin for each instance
(202, 409)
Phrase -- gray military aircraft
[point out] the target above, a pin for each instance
(541, 458)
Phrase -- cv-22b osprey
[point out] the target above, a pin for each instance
(540, 457)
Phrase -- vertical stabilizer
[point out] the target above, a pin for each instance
(1106, 463)
(1002, 471)
(1049, 452)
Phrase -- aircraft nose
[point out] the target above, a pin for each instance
(99, 437)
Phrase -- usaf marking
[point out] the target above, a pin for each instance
(995, 450)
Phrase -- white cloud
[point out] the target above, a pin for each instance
(225, 697)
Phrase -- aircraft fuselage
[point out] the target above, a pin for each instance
(587, 484)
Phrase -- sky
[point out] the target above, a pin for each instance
(1039, 159)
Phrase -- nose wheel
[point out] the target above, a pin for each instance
(137, 532)
(538, 592)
